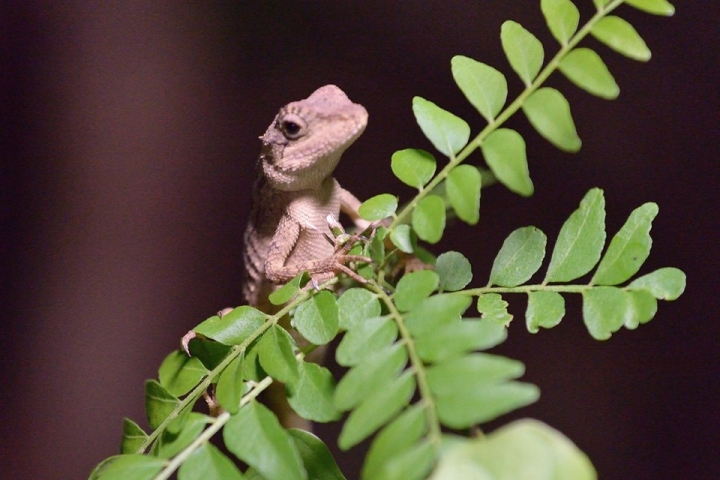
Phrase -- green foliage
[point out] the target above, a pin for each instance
(413, 346)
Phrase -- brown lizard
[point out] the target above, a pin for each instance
(294, 193)
(293, 197)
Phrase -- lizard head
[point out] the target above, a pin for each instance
(305, 141)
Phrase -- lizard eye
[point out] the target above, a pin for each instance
(292, 126)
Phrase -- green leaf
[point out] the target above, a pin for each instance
(129, 467)
(655, 7)
(524, 51)
(457, 375)
(522, 449)
(480, 403)
(549, 112)
(375, 248)
(504, 152)
(355, 305)
(398, 436)
(234, 327)
(580, 241)
(562, 18)
(289, 290)
(317, 318)
(364, 339)
(605, 310)
(414, 167)
(622, 37)
(447, 132)
(454, 270)
(372, 373)
(643, 307)
(133, 437)
(483, 86)
(414, 287)
(231, 386)
(414, 463)
(428, 219)
(493, 308)
(172, 443)
(519, 258)
(402, 238)
(463, 190)
(159, 403)
(255, 436)
(436, 312)
(378, 207)
(377, 410)
(587, 70)
(628, 249)
(311, 396)
(250, 368)
(544, 309)
(664, 284)
(179, 373)
(209, 352)
(208, 463)
(276, 351)
(316, 456)
(458, 338)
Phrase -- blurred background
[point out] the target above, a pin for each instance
(130, 134)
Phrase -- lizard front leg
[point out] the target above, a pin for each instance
(323, 267)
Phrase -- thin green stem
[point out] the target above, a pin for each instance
(509, 111)
(434, 434)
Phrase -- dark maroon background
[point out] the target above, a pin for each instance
(130, 133)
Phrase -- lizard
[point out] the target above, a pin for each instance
(295, 197)
(294, 193)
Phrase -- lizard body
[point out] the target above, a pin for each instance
(294, 192)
